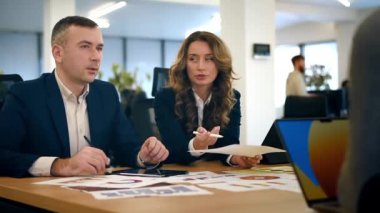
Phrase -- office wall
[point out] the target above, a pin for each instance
(112, 54)
(345, 32)
(244, 23)
(19, 54)
(142, 57)
(340, 31)
(306, 33)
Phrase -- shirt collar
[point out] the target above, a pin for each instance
(199, 100)
(66, 92)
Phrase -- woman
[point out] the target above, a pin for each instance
(200, 97)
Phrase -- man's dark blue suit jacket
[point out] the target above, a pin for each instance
(33, 124)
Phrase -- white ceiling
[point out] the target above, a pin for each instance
(170, 19)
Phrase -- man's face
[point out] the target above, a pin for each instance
(300, 65)
(80, 55)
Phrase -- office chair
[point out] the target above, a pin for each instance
(6, 81)
(142, 117)
(337, 101)
(160, 79)
(306, 107)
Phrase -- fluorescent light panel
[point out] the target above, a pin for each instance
(102, 22)
(106, 8)
(346, 3)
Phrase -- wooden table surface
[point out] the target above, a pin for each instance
(58, 199)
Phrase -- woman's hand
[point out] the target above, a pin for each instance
(245, 162)
(203, 140)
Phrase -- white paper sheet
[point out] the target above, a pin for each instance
(236, 187)
(256, 181)
(204, 177)
(107, 181)
(161, 191)
(242, 150)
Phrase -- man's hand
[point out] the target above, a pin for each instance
(204, 140)
(153, 151)
(245, 162)
(88, 161)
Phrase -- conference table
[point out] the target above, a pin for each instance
(58, 199)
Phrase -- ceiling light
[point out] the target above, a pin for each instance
(106, 8)
(101, 22)
(346, 3)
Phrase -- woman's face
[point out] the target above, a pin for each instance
(200, 64)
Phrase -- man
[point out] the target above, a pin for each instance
(295, 84)
(65, 123)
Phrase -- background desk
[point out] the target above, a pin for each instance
(55, 198)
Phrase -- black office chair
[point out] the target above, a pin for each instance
(6, 81)
(142, 117)
(306, 107)
(337, 101)
(160, 79)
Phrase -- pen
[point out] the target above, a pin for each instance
(158, 172)
(88, 141)
(212, 135)
(109, 168)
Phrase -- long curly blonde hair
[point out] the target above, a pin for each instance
(222, 99)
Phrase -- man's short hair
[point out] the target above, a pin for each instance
(296, 58)
(62, 25)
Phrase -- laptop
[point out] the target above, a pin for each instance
(316, 149)
(273, 139)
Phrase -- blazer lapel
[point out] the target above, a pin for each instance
(57, 111)
(94, 110)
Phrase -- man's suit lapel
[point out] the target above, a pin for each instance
(94, 110)
(57, 111)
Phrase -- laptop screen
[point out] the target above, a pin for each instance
(316, 149)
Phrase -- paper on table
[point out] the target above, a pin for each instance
(162, 191)
(242, 150)
(108, 181)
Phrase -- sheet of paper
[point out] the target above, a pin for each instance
(261, 169)
(242, 150)
(96, 188)
(258, 181)
(204, 177)
(235, 187)
(162, 191)
(106, 181)
(279, 169)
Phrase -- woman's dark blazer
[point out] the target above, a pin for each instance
(176, 138)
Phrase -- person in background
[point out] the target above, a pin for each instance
(295, 84)
(200, 98)
(359, 184)
(345, 84)
(66, 123)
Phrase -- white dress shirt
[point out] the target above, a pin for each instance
(200, 107)
(77, 125)
(295, 84)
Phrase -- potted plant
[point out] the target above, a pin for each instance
(126, 84)
(318, 79)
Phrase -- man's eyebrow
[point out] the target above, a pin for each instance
(84, 42)
(90, 43)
